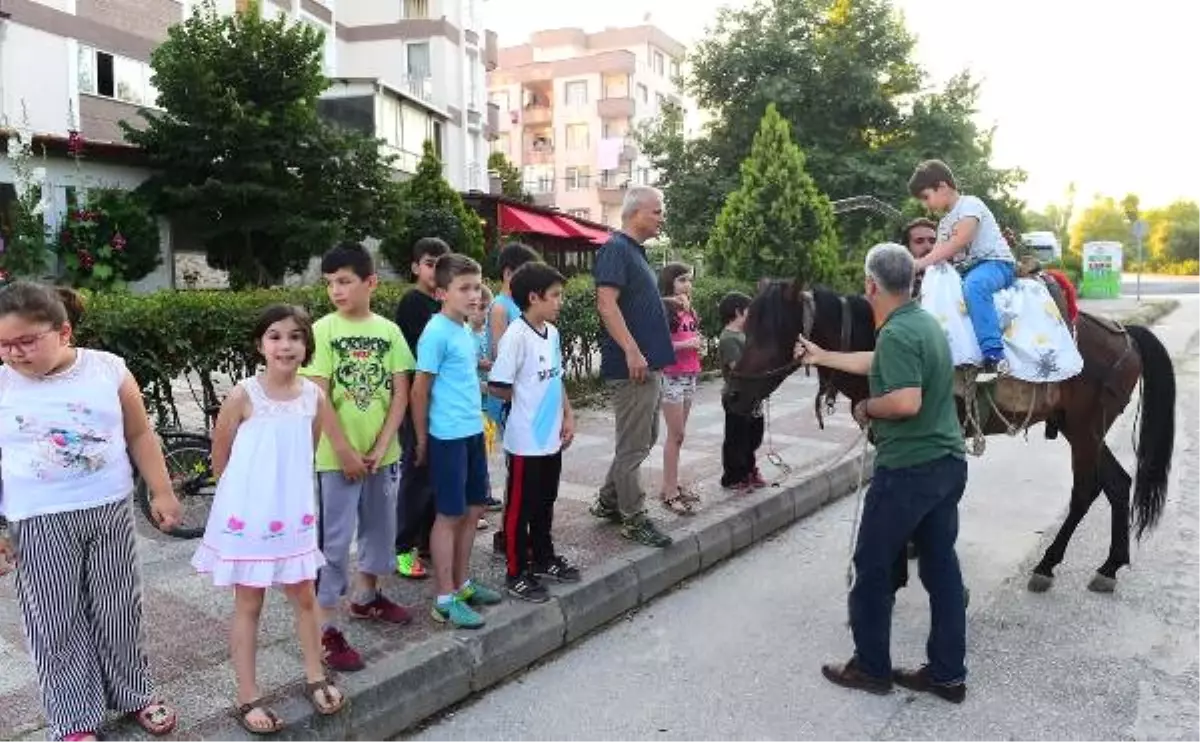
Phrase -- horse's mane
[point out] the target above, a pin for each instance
(827, 303)
(771, 318)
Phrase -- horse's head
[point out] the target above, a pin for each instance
(778, 314)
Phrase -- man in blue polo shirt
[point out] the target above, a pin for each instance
(634, 346)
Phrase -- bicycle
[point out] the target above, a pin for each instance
(189, 464)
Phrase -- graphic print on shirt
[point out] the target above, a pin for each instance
(359, 368)
(547, 416)
(66, 448)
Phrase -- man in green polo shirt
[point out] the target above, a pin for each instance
(920, 475)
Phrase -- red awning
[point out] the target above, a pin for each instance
(513, 219)
(577, 229)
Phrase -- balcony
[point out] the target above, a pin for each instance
(539, 155)
(537, 115)
(615, 108)
(611, 188)
(629, 150)
(541, 190)
(419, 87)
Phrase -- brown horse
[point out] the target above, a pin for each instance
(1083, 408)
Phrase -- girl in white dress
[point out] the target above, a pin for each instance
(262, 530)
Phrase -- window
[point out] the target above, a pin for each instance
(577, 93)
(643, 93)
(437, 138)
(659, 62)
(580, 213)
(660, 101)
(418, 60)
(577, 136)
(473, 68)
(416, 8)
(674, 69)
(577, 178)
(113, 76)
(500, 99)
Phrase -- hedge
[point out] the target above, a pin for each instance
(205, 334)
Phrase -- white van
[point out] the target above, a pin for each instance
(1044, 245)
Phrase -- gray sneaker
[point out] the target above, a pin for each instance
(602, 510)
(642, 530)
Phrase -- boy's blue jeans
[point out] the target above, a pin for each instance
(980, 285)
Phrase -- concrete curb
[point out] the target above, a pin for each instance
(398, 691)
(1150, 312)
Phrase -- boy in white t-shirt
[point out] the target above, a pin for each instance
(528, 373)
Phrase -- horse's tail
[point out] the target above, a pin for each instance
(1156, 439)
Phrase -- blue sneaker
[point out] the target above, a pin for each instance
(456, 613)
(478, 594)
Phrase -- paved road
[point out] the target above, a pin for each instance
(735, 654)
(1159, 285)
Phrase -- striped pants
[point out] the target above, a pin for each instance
(80, 588)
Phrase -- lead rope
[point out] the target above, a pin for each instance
(784, 469)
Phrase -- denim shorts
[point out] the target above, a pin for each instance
(459, 472)
(678, 389)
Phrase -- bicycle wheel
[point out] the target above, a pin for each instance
(189, 464)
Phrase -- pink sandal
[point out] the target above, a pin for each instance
(155, 718)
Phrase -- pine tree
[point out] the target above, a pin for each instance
(776, 224)
(430, 207)
(511, 184)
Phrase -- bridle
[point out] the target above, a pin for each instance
(809, 315)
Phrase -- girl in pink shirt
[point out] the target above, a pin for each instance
(678, 380)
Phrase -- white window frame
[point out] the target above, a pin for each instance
(576, 145)
(141, 72)
(575, 86)
(408, 59)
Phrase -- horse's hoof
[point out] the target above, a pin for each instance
(1039, 583)
(1102, 584)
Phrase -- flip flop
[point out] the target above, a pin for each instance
(243, 712)
(155, 718)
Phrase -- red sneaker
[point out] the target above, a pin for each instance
(381, 609)
(339, 655)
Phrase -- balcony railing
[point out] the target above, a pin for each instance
(419, 87)
(475, 177)
(615, 108)
(539, 154)
(534, 115)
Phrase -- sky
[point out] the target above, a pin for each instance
(1102, 93)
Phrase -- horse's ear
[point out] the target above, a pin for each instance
(795, 290)
(762, 285)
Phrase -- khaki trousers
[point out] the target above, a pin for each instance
(635, 412)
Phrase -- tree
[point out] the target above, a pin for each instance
(842, 73)
(430, 207)
(242, 160)
(777, 223)
(511, 183)
(1174, 233)
(1103, 221)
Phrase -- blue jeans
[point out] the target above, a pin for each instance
(918, 502)
(979, 290)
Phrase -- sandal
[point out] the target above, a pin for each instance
(688, 495)
(155, 718)
(678, 504)
(326, 690)
(259, 704)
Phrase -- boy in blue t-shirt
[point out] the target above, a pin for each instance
(446, 404)
(968, 235)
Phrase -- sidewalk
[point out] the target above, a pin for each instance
(418, 670)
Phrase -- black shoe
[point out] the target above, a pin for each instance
(919, 681)
(527, 587)
(557, 569)
(492, 505)
(850, 676)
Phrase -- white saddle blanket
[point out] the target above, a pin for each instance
(1037, 342)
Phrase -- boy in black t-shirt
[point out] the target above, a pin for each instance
(415, 507)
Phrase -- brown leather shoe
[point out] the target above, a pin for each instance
(850, 676)
(919, 680)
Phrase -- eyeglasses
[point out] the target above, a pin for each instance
(23, 344)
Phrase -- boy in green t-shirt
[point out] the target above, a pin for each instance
(743, 433)
(362, 362)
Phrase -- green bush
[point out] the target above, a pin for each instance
(168, 334)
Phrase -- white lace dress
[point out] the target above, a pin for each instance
(262, 529)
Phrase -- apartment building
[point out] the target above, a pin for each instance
(402, 70)
(568, 104)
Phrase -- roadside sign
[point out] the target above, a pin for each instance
(1140, 229)
(1102, 262)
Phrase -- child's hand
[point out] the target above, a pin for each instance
(8, 556)
(485, 364)
(167, 511)
(378, 451)
(567, 434)
(354, 467)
